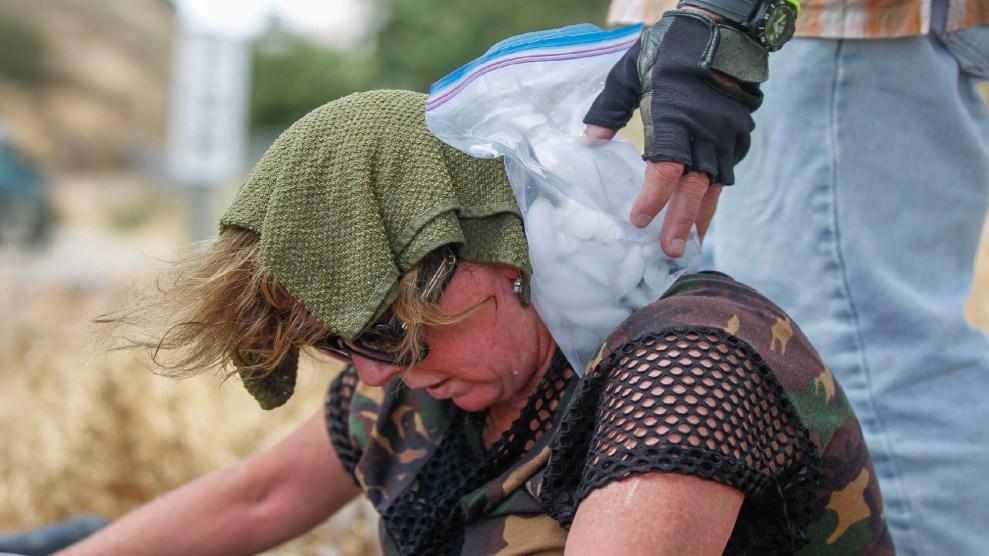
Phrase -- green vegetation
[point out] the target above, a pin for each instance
(423, 40)
(291, 76)
(419, 42)
(22, 50)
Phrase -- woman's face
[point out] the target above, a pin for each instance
(494, 356)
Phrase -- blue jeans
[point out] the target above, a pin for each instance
(859, 210)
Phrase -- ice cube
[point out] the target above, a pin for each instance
(629, 271)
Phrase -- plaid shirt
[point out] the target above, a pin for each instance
(850, 19)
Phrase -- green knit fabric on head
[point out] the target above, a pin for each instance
(355, 193)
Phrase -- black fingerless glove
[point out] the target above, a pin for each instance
(689, 115)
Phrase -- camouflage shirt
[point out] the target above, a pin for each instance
(713, 380)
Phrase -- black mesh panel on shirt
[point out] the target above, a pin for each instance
(426, 518)
(694, 401)
(337, 412)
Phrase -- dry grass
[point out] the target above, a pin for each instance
(104, 435)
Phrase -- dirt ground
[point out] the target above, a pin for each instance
(85, 432)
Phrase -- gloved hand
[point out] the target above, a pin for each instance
(696, 83)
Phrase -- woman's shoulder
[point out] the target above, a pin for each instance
(711, 301)
(706, 299)
(716, 371)
(709, 321)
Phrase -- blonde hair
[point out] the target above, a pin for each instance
(417, 305)
(218, 306)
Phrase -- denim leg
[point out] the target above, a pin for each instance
(859, 210)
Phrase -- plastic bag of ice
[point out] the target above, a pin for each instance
(524, 99)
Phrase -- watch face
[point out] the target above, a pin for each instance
(780, 22)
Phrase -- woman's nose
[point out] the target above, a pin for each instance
(374, 373)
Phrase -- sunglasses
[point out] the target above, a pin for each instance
(382, 341)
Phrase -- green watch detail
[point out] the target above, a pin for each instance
(774, 24)
(771, 23)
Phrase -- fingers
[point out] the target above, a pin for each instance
(705, 157)
(709, 205)
(598, 132)
(661, 179)
(684, 207)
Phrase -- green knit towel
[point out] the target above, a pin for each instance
(354, 194)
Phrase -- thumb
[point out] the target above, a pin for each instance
(615, 104)
(598, 132)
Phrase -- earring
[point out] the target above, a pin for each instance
(517, 284)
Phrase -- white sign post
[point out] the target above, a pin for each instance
(208, 126)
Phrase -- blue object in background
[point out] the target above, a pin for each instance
(50, 538)
(25, 200)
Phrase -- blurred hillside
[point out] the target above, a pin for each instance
(84, 83)
(408, 44)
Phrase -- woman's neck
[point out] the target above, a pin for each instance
(499, 418)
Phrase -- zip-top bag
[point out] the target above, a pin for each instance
(525, 99)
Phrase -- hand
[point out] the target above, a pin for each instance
(696, 102)
(691, 198)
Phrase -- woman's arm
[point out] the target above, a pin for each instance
(242, 509)
(686, 423)
(655, 514)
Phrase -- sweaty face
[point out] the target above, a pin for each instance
(494, 356)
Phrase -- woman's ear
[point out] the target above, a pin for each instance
(508, 272)
(510, 275)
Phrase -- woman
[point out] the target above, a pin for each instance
(706, 424)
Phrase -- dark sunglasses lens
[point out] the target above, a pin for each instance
(385, 349)
(381, 343)
(391, 357)
(375, 347)
(378, 340)
(335, 346)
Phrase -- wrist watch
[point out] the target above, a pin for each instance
(770, 22)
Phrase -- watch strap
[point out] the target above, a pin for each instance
(739, 56)
(736, 11)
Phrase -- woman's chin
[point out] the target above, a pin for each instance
(472, 401)
(468, 396)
